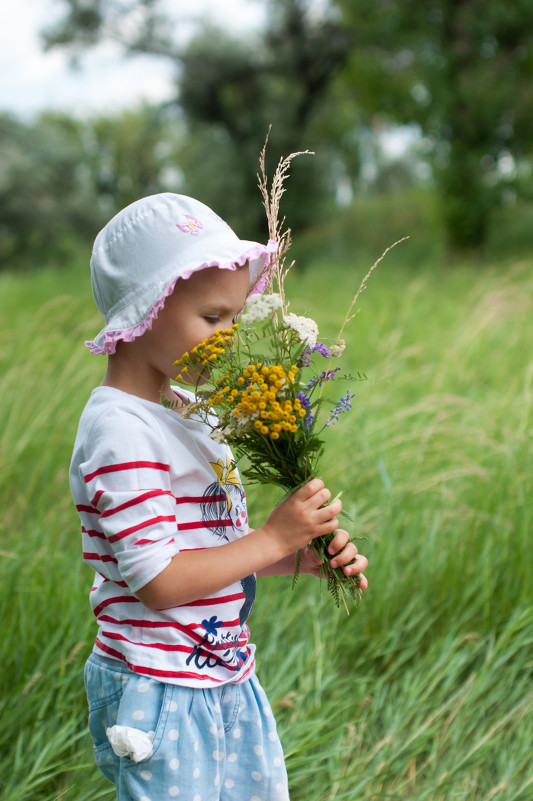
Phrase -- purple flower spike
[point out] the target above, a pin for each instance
(322, 349)
(342, 406)
(326, 375)
(306, 403)
(305, 358)
(304, 400)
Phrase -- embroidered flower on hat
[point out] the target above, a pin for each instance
(193, 226)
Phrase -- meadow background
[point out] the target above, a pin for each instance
(425, 692)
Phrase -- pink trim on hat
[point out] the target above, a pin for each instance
(129, 334)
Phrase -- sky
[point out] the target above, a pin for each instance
(32, 80)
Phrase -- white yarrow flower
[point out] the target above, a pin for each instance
(259, 307)
(305, 327)
(338, 348)
(217, 436)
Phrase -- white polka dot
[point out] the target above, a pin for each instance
(144, 798)
(258, 749)
(213, 728)
(196, 773)
(241, 709)
(266, 711)
(218, 755)
(174, 764)
(232, 757)
(280, 788)
(142, 686)
(256, 776)
(221, 732)
(173, 791)
(101, 692)
(173, 734)
(196, 745)
(226, 698)
(217, 709)
(197, 798)
(146, 775)
(172, 706)
(237, 733)
(272, 736)
(277, 762)
(229, 783)
(115, 715)
(216, 780)
(260, 723)
(255, 798)
(138, 714)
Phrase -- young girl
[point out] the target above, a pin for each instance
(175, 708)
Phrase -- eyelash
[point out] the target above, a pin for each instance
(211, 318)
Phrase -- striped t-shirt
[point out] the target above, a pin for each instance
(147, 484)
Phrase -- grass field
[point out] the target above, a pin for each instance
(425, 693)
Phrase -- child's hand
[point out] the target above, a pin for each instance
(345, 555)
(303, 516)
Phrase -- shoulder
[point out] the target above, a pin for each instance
(114, 419)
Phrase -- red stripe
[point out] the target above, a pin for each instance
(187, 631)
(93, 533)
(164, 674)
(163, 646)
(127, 531)
(95, 557)
(201, 524)
(159, 646)
(225, 599)
(90, 509)
(97, 497)
(151, 494)
(114, 581)
(200, 499)
(114, 468)
(123, 599)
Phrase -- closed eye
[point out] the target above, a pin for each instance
(212, 318)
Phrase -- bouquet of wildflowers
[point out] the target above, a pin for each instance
(265, 385)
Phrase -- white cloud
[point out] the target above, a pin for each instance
(33, 80)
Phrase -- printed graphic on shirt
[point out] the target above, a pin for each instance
(217, 649)
(220, 510)
(228, 509)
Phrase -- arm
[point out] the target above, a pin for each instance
(192, 575)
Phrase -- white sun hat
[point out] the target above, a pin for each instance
(140, 254)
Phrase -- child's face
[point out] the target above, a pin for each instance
(210, 299)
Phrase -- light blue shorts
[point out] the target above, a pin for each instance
(212, 744)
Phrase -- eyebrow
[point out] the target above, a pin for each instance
(220, 308)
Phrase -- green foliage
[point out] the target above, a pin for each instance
(47, 198)
(425, 692)
(462, 72)
(62, 178)
(231, 90)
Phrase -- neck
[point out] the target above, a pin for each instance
(144, 383)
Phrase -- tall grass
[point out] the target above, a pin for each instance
(425, 692)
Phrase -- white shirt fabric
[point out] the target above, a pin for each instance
(147, 484)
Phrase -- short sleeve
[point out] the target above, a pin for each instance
(129, 514)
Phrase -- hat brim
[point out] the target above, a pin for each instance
(131, 322)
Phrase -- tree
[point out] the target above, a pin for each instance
(230, 91)
(47, 197)
(463, 71)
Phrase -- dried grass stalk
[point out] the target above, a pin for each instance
(277, 270)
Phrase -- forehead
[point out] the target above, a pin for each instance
(214, 283)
